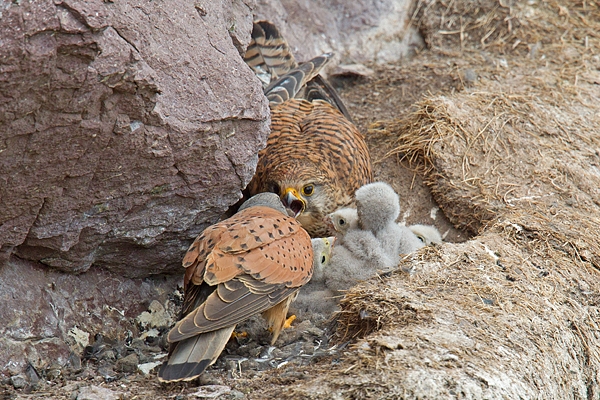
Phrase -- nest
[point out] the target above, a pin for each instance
(513, 157)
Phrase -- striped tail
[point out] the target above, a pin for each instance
(289, 86)
(270, 57)
(269, 53)
(190, 357)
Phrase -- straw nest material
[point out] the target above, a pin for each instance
(515, 158)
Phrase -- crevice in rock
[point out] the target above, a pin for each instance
(76, 14)
(183, 176)
(234, 169)
(37, 216)
(210, 39)
(126, 40)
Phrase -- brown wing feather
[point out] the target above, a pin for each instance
(230, 305)
(255, 227)
(291, 84)
(256, 259)
(268, 51)
(247, 230)
(288, 260)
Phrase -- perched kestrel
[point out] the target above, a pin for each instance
(253, 262)
(315, 157)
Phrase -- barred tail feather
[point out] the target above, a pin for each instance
(190, 357)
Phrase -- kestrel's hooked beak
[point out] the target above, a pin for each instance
(292, 200)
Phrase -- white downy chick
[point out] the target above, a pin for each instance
(378, 206)
(314, 299)
(358, 256)
(428, 234)
(342, 220)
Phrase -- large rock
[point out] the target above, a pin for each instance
(357, 31)
(125, 128)
(46, 315)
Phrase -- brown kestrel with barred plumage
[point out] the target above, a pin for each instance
(315, 158)
(253, 262)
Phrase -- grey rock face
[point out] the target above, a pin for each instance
(49, 314)
(357, 31)
(125, 129)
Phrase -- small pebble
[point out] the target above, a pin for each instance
(128, 364)
(470, 76)
(18, 381)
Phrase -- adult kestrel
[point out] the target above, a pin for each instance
(253, 262)
(315, 158)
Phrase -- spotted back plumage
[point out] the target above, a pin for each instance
(253, 262)
(257, 241)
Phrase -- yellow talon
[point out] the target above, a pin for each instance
(288, 322)
(240, 335)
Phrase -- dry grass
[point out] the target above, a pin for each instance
(506, 26)
(513, 156)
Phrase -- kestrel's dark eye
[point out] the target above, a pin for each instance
(308, 190)
(275, 188)
(342, 222)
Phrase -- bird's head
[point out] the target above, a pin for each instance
(308, 193)
(322, 248)
(302, 197)
(378, 205)
(342, 219)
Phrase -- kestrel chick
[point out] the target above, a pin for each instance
(253, 262)
(359, 256)
(427, 234)
(314, 297)
(378, 206)
(342, 220)
(315, 157)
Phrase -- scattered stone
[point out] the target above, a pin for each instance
(53, 372)
(149, 366)
(107, 373)
(150, 333)
(81, 337)
(32, 375)
(207, 378)
(211, 391)
(74, 363)
(94, 392)
(353, 70)
(235, 394)
(128, 364)
(109, 355)
(18, 381)
(155, 317)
